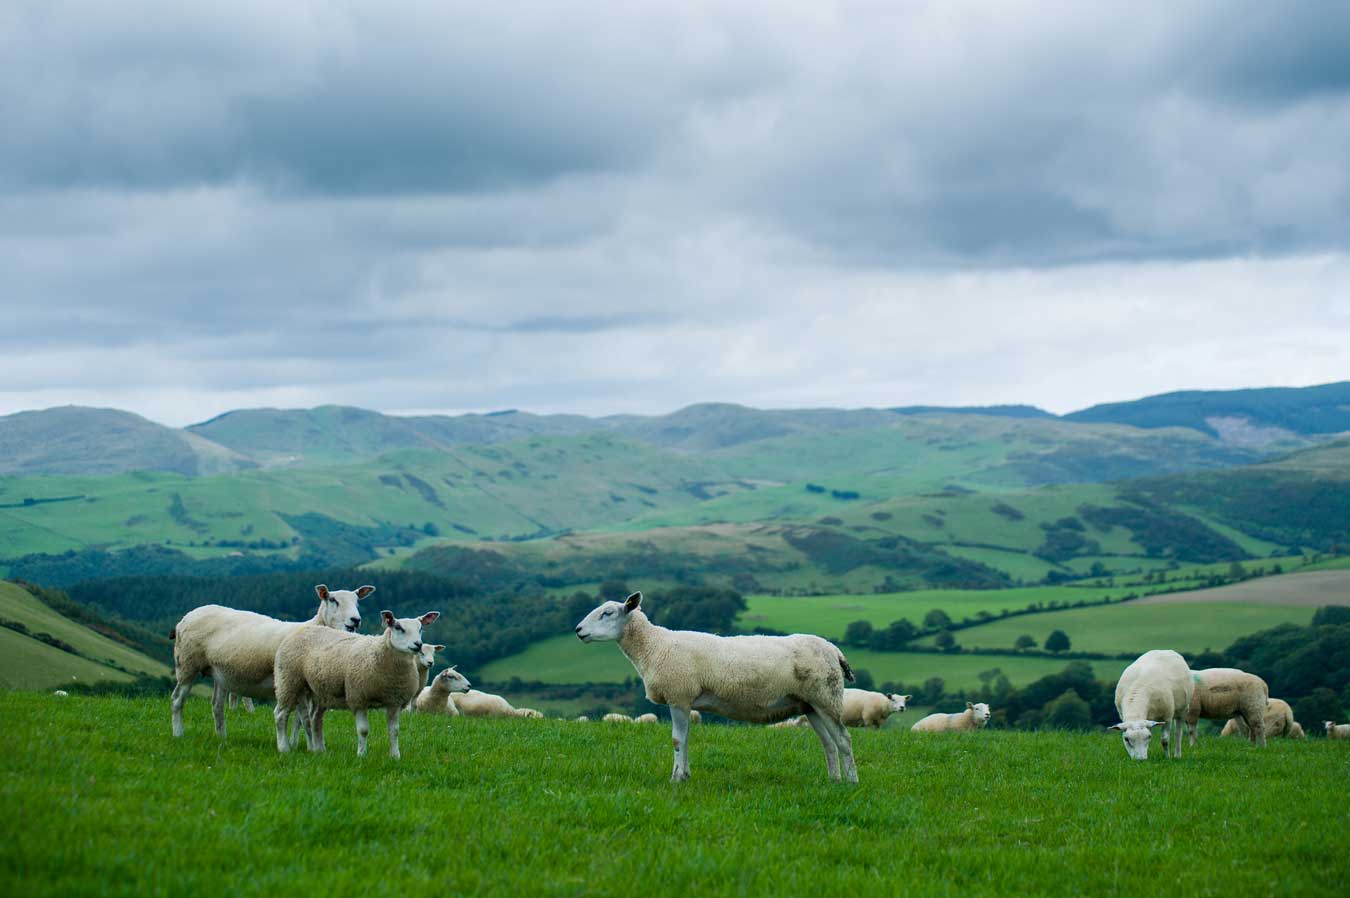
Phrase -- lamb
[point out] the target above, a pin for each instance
(760, 679)
(871, 709)
(484, 704)
(973, 718)
(348, 670)
(1279, 722)
(1336, 730)
(435, 698)
(614, 717)
(1223, 692)
(1155, 689)
(646, 718)
(237, 648)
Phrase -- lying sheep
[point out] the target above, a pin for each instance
(237, 648)
(484, 704)
(435, 697)
(1223, 692)
(973, 718)
(646, 718)
(1155, 689)
(348, 670)
(1279, 722)
(871, 709)
(1336, 730)
(799, 721)
(614, 717)
(760, 679)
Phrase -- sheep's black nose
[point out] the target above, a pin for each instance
(577, 628)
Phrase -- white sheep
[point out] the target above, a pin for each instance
(1279, 722)
(1155, 689)
(61, 693)
(1223, 692)
(646, 718)
(1336, 730)
(426, 660)
(435, 697)
(798, 721)
(348, 670)
(484, 704)
(1296, 731)
(760, 679)
(237, 648)
(973, 718)
(583, 719)
(615, 717)
(863, 708)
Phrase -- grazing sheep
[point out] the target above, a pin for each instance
(1296, 731)
(760, 679)
(1155, 689)
(1279, 722)
(237, 648)
(613, 717)
(973, 718)
(871, 709)
(1336, 730)
(348, 670)
(1223, 692)
(646, 718)
(435, 698)
(484, 704)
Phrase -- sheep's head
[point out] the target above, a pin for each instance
(608, 620)
(1136, 734)
(980, 711)
(452, 680)
(427, 657)
(337, 608)
(1328, 724)
(898, 702)
(405, 634)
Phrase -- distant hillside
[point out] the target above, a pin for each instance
(999, 411)
(77, 440)
(1261, 418)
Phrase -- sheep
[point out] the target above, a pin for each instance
(237, 648)
(799, 721)
(426, 660)
(435, 698)
(484, 704)
(348, 670)
(583, 719)
(973, 718)
(1155, 689)
(530, 713)
(1279, 722)
(646, 718)
(1223, 692)
(1296, 731)
(760, 679)
(1336, 730)
(695, 717)
(614, 717)
(863, 708)
(61, 693)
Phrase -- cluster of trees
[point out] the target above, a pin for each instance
(896, 635)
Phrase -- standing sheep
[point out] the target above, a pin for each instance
(426, 660)
(973, 718)
(237, 648)
(435, 698)
(1223, 692)
(1279, 722)
(347, 670)
(1336, 730)
(863, 708)
(1155, 689)
(760, 679)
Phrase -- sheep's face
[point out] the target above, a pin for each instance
(898, 702)
(453, 680)
(337, 607)
(607, 621)
(405, 634)
(427, 657)
(980, 711)
(1135, 734)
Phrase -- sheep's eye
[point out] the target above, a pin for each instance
(606, 613)
(398, 627)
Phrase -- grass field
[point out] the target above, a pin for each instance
(17, 604)
(100, 800)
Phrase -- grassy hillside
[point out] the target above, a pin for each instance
(17, 604)
(554, 808)
(30, 664)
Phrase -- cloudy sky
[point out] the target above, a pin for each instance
(606, 207)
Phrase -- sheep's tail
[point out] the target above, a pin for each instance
(848, 671)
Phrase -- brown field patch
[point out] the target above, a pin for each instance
(1313, 588)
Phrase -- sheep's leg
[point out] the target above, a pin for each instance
(180, 694)
(817, 722)
(679, 735)
(1257, 728)
(248, 704)
(362, 731)
(1178, 725)
(1191, 727)
(280, 715)
(218, 707)
(233, 702)
(844, 743)
(392, 714)
(316, 730)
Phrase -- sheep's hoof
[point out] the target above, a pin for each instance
(679, 776)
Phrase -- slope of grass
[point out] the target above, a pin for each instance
(26, 663)
(17, 604)
(557, 808)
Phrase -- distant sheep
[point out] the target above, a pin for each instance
(62, 693)
(1279, 722)
(435, 697)
(484, 704)
(863, 708)
(974, 717)
(1336, 730)
(583, 719)
(760, 679)
(1224, 692)
(646, 718)
(615, 717)
(799, 721)
(1154, 690)
(348, 670)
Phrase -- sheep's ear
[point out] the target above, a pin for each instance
(363, 591)
(322, 592)
(907, 697)
(438, 648)
(1116, 726)
(1153, 723)
(970, 706)
(632, 601)
(429, 617)
(388, 618)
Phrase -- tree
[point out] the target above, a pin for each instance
(615, 589)
(945, 641)
(936, 619)
(900, 632)
(862, 679)
(1024, 642)
(1057, 641)
(1321, 705)
(932, 691)
(1069, 712)
(858, 633)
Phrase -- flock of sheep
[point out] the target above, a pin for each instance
(311, 667)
